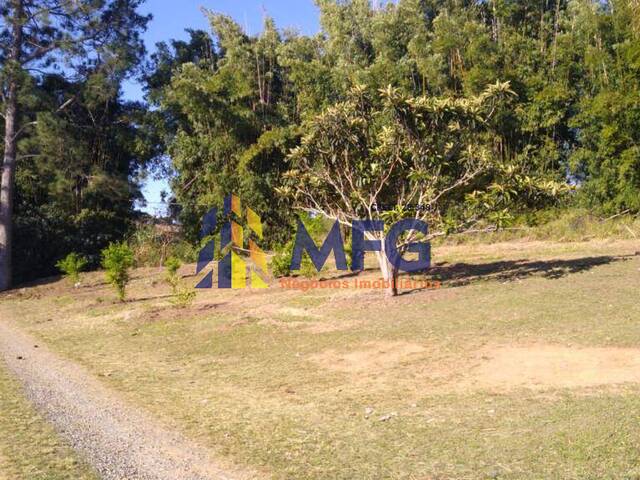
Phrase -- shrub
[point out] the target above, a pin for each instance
(308, 269)
(117, 260)
(173, 279)
(317, 228)
(71, 266)
(184, 296)
(152, 245)
(281, 261)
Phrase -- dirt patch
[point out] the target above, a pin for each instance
(298, 312)
(375, 357)
(545, 366)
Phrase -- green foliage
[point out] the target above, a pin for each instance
(556, 225)
(235, 112)
(228, 107)
(172, 265)
(609, 158)
(81, 147)
(280, 263)
(173, 278)
(153, 244)
(71, 266)
(261, 171)
(85, 233)
(425, 157)
(308, 269)
(184, 297)
(117, 260)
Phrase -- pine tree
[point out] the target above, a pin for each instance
(38, 35)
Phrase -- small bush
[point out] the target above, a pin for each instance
(71, 266)
(184, 296)
(117, 260)
(308, 269)
(318, 229)
(173, 278)
(280, 264)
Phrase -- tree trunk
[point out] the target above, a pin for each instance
(495, 23)
(556, 30)
(389, 272)
(10, 141)
(6, 193)
(542, 27)
(392, 291)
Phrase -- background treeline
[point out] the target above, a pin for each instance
(77, 179)
(231, 105)
(227, 108)
(77, 146)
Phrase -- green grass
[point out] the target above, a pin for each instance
(29, 448)
(325, 384)
(573, 225)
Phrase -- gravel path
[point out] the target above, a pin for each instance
(120, 441)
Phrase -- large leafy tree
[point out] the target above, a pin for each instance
(227, 119)
(76, 181)
(395, 157)
(95, 41)
(607, 158)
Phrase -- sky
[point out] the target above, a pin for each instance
(172, 17)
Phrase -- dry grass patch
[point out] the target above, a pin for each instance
(549, 366)
(372, 358)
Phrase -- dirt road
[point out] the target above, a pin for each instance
(120, 441)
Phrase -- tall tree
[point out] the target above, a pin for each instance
(77, 38)
(607, 159)
(228, 118)
(78, 172)
(392, 157)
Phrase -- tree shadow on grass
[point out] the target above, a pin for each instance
(40, 282)
(460, 274)
(147, 299)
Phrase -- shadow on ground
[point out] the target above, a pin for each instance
(460, 274)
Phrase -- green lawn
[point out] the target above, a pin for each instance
(29, 448)
(349, 384)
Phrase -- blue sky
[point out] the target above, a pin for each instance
(171, 18)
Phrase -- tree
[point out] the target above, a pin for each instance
(607, 157)
(38, 36)
(392, 157)
(78, 173)
(117, 260)
(226, 119)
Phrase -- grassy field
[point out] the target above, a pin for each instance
(525, 364)
(29, 449)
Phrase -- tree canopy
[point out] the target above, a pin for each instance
(225, 109)
(71, 146)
